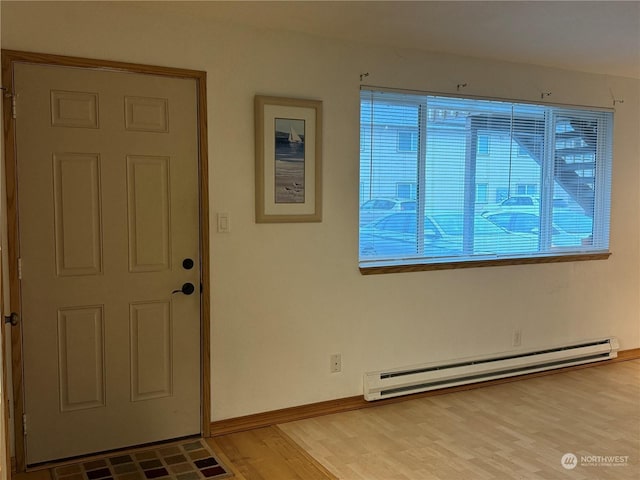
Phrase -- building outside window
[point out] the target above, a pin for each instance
(451, 154)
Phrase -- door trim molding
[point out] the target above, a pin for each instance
(9, 59)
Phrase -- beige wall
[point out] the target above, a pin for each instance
(286, 296)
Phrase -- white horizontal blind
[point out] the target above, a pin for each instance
(454, 179)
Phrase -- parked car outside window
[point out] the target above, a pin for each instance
(395, 235)
(569, 228)
(526, 203)
(521, 201)
(377, 208)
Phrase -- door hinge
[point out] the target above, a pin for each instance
(24, 424)
(12, 96)
(13, 105)
(19, 268)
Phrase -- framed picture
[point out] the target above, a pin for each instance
(288, 160)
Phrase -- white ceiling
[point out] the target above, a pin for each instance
(590, 36)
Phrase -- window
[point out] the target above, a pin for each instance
(483, 144)
(527, 189)
(551, 202)
(407, 141)
(482, 192)
(406, 190)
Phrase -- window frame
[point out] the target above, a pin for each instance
(602, 188)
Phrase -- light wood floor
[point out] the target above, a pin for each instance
(518, 430)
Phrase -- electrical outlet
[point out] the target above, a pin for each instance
(516, 341)
(335, 363)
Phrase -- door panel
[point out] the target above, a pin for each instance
(74, 109)
(107, 175)
(81, 358)
(151, 351)
(77, 213)
(148, 210)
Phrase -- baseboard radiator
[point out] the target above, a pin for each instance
(421, 378)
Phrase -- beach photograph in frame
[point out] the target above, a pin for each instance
(288, 160)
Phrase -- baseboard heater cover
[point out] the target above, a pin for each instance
(422, 378)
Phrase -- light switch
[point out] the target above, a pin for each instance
(223, 223)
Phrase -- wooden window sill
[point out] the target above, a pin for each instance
(423, 267)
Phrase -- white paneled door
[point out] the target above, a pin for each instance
(108, 208)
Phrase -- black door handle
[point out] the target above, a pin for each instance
(187, 289)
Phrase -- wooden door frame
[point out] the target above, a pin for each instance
(9, 59)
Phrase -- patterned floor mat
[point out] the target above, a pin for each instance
(191, 460)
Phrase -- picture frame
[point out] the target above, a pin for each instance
(288, 159)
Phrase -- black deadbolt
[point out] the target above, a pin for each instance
(187, 264)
